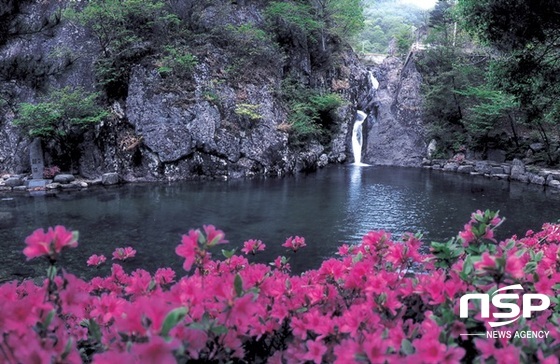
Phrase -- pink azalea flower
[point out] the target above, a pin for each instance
(294, 243)
(458, 328)
(124, 253)
(430, 350)
(96, 260)
(164, 276)
(514, 265)
(467, 235)
(487, 262)
(486, 347)
(281, 263)
(188, 249)
(50, 242)
(252, 246)
(548, 360)
(375, 348)
(139, 282)
(315, 351)
(453, 355)
(343, 250)
(214, 236)
(157, 350)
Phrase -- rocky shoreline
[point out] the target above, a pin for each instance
(63, 181)
(515, 170)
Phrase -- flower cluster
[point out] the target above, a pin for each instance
(49, 243)
(124, 253)
(253, 246)
(384, 300)
(294, 243)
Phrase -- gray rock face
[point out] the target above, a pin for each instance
(171, 128)
(395, 133)
(109, 179)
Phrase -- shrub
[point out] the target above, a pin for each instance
(310, 114)
(61, 116)
(177, 61)
(248, 111)
(380, 301)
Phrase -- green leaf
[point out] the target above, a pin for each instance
(357, 258)
(238, 285)
(468, 266)
(94, 331)
(219, 330)
(406, 347)
(228, 253)
(51, 272)
(172, 319)
(67, 348)
(48, 319)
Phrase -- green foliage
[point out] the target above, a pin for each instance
(385, 21)
(292, 17)
(60, 113)
(248, 111)
(61, 116)
(177, 61)
(310, 113)
(251, 48)
(127, 31)
(316, 20)
(526, 34)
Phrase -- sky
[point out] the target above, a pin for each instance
(424, 4)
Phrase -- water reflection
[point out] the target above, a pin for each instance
(333, 206)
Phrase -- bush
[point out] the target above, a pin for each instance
(380, 301)
(310, 114)
(61, 116)
(177, 61)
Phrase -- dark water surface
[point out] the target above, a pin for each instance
(333, 206)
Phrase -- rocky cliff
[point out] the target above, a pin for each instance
(211, 122)
(394, 133)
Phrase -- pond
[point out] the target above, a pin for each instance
(333, 206)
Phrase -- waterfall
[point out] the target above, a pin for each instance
(357, 137)
(373, 81)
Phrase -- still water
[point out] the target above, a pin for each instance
(333, 206)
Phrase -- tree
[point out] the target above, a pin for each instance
(127, 31)
(318, 19)
(527, 35)
(62, 116)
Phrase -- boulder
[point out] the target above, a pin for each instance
(554, 183)
(108, 179)
(496, 155)
(14, 181)
(451, 167)
(465, 169)
(496, 170)
(518, 171)
(538, 180)
(482, 167)
(63, 178)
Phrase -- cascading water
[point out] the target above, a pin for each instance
(357, 131)
(357, 137)
(373, 81)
